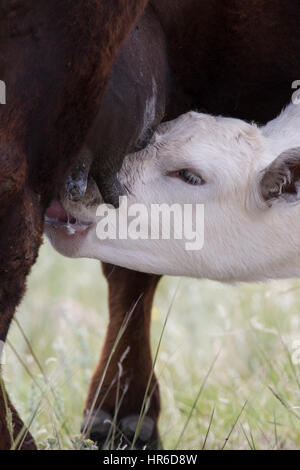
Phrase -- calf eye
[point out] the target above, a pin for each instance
(188, 177)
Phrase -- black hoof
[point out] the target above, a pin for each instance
(100, 428)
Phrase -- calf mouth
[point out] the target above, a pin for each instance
(73, 210)
(74, 207)
(57, 217)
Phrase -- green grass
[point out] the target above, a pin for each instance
(250, 399)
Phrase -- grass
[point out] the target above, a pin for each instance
(227, 363)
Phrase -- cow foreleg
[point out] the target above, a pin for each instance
(123, 382)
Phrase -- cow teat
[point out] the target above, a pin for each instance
(77, 181)
(110, 187)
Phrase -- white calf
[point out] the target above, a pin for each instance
(247, 178)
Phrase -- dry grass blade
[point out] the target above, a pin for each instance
(233, 426)
(145, 400)
(197, 399)
(209, 426)
(7, 410)
(247, 438)
(284, 404)
(55, 415)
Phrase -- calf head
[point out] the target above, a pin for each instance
(249, 197)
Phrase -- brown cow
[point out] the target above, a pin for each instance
(232, 57)
(55, 58)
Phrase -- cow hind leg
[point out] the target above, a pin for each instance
(20, 236)
(123, 403)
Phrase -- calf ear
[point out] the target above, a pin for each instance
(281, 179)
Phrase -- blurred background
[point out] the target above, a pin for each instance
(245, 397)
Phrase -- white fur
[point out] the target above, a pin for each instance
(245, 239)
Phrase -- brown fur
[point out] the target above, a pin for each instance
(231, 57)
(129, 293)
(56, 58)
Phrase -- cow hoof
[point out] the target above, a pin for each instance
(147, 438)
(99, 428)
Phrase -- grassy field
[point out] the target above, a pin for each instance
(249, 400)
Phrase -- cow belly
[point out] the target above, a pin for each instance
(233, 57)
